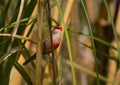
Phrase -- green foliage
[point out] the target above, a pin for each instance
(7, 27)
(8, 19)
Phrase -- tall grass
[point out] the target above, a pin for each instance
(17, 24)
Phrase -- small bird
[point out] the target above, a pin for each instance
(56, 35)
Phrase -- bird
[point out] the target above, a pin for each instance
(56, 38)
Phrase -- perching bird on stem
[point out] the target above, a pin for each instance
(56, 36)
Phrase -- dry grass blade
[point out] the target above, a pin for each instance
(17, 23)
(18, 36)
(9, 53)
(87, 71)
(39, 42)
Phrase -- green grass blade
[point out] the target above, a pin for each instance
(23, 73)
(95, 38)
(98, 51)
(93, 44)
(68, 42)
(113, 26)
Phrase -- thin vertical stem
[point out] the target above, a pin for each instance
(92, 40)
(68, 42)
(53, 62)
(39, 42)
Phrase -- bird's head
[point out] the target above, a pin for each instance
(58, 28)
